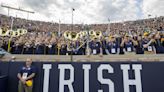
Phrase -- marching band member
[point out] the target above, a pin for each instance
(5, 45)
(52, 47)
(162, 39)
(148, 44)
(139, 46)
(77, 50)
(62, 47)
(28, 48)
(112, 46)
(82, 49)
(104, 43)
(39, 47)
(128, 44)
(70, 47)
(95, 47)
(17, 48)
(158, 44)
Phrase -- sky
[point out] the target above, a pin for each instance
(86, 11)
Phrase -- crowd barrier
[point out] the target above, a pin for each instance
(90, 76)
(85, 58)
(3, 83)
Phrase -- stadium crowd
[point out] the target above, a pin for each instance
(130, 37)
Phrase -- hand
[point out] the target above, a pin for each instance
(23, 81)
(101, 55)
(145, 46)
(152, 40)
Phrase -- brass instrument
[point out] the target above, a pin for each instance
(18, 32)
(84, 33)
(3, 31)
(25, 31)
(98, 34)
(9, 33)
(22, 31)
(92, 32)
(75, 36)
(79, 35)
(67, 34)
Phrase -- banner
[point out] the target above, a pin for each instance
(93, 76)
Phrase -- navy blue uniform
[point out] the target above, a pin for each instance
(63, 49)
(95, 47)
(28, 49)
(139, 48)
(52, 49)
(150, 47)
(5, 46)
(158, 46)
(77, 50)
(104, 43)
(129, 46)
(17, 49)
(112, 47)
(39, 49)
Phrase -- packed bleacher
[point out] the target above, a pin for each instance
(130, 37)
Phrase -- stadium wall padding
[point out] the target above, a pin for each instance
(152, 75)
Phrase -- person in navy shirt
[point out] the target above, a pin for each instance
(158, 44)
(39, 48)
(95, 47)
(62, 48)
(17, 48)
(139, 47)
(28, 48)
(148, 44)
(104, 43)
(128, 44)
(78, 49)
(51, 48)
(112, 46)
(26, 73)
